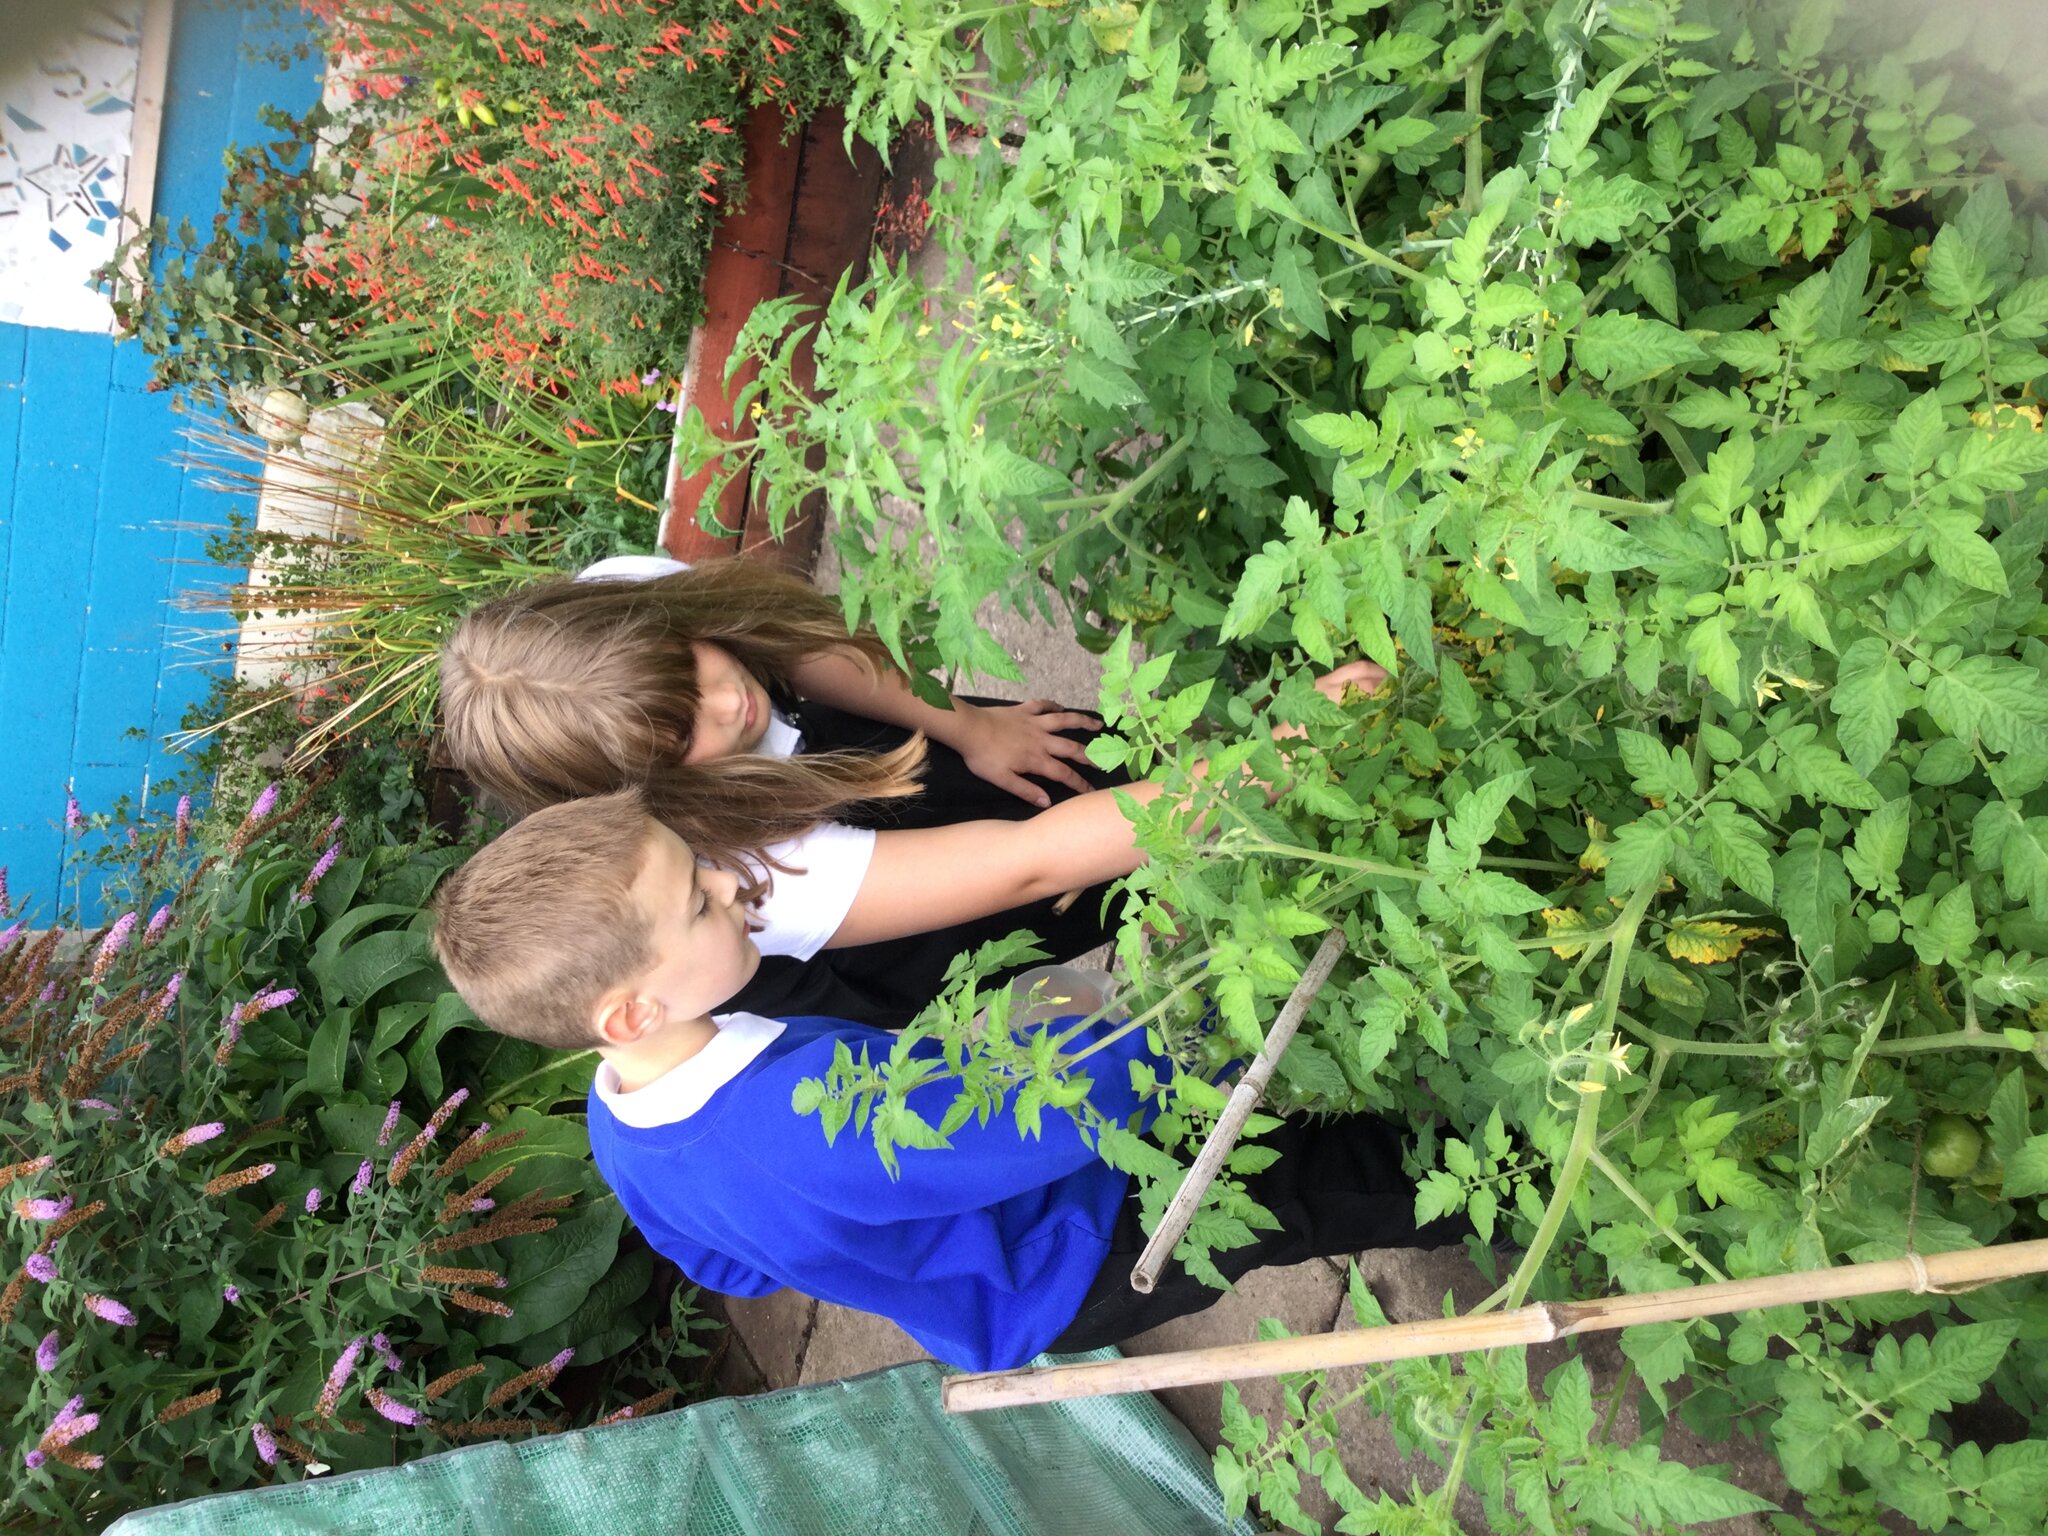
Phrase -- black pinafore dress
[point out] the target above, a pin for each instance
(889, 984)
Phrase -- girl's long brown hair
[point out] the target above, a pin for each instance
(573, 688)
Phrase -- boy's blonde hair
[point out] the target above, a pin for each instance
(569, 689)
(539, 925)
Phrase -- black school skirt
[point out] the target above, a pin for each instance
(889, 984)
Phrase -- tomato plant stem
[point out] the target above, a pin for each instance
(1573, 1169)
(1117, 500)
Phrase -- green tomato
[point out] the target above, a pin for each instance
(1798, 1078)
(1792, 1035)
(1951, 1146)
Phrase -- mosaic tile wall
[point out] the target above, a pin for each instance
(67, 121)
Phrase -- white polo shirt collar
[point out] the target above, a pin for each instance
(688, 1086)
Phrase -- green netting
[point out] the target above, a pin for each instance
(870, 1456)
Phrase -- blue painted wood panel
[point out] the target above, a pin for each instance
(99, 522)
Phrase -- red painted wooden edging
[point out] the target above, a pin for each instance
(809, 217)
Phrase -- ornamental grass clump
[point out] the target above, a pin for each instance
(455, 497)
(218, 1271)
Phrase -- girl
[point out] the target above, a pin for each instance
(687, 683)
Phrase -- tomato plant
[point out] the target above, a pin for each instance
(1652, 389)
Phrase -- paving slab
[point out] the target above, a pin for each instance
(1305, 1297)
(846, 1343)
(776, 1330)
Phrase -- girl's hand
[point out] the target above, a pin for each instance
(1365, 676)
(1002, 743)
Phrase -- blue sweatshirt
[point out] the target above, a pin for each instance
(981, 1252)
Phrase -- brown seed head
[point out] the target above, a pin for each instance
(449, 1379)
(192, 1404)
(470, 1301)
(241, 1178)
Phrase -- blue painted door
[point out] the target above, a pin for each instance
(98, 520)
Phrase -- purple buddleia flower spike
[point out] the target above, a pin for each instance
(109, 1310)
(112, 945)
(47, 1351)
(391, 1408)
(337, 1379)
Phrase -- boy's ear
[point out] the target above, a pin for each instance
(623, 1018)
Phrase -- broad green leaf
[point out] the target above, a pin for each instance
(372, 963)
(1880, 844)
(1956, 277)
(1472, 823)
(1739, 849)
(1638, 854)
(1714, 653)
(1869, 696)
(1812, 891)
(327, 1054)
(1623, 349)
(1999, 701)
(1348, 432)
(1950, 929)
(2003, 840)
(1633, 1489)
(1841, 1126)
(2026, 1171)
(1660, 772)
(1817, 773)
(1258, 590)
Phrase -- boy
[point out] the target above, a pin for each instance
(590, 923)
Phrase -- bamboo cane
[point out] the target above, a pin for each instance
(1243, 1099)
(1539, 1324)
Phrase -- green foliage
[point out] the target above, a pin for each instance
(216, 310)
(283, 1000)
(1654, 391)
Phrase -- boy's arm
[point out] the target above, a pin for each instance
(1000, 744)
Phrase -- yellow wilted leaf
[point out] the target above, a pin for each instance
(1112, 25)
(1562, 923)
(1706, 941)
(1594, 859)
(2003, 416)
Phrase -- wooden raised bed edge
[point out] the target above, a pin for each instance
(809, 217)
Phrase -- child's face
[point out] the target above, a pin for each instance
(732, 707)
(697, 930)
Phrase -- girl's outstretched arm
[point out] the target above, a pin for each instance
(934, 877)
(999, 743)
